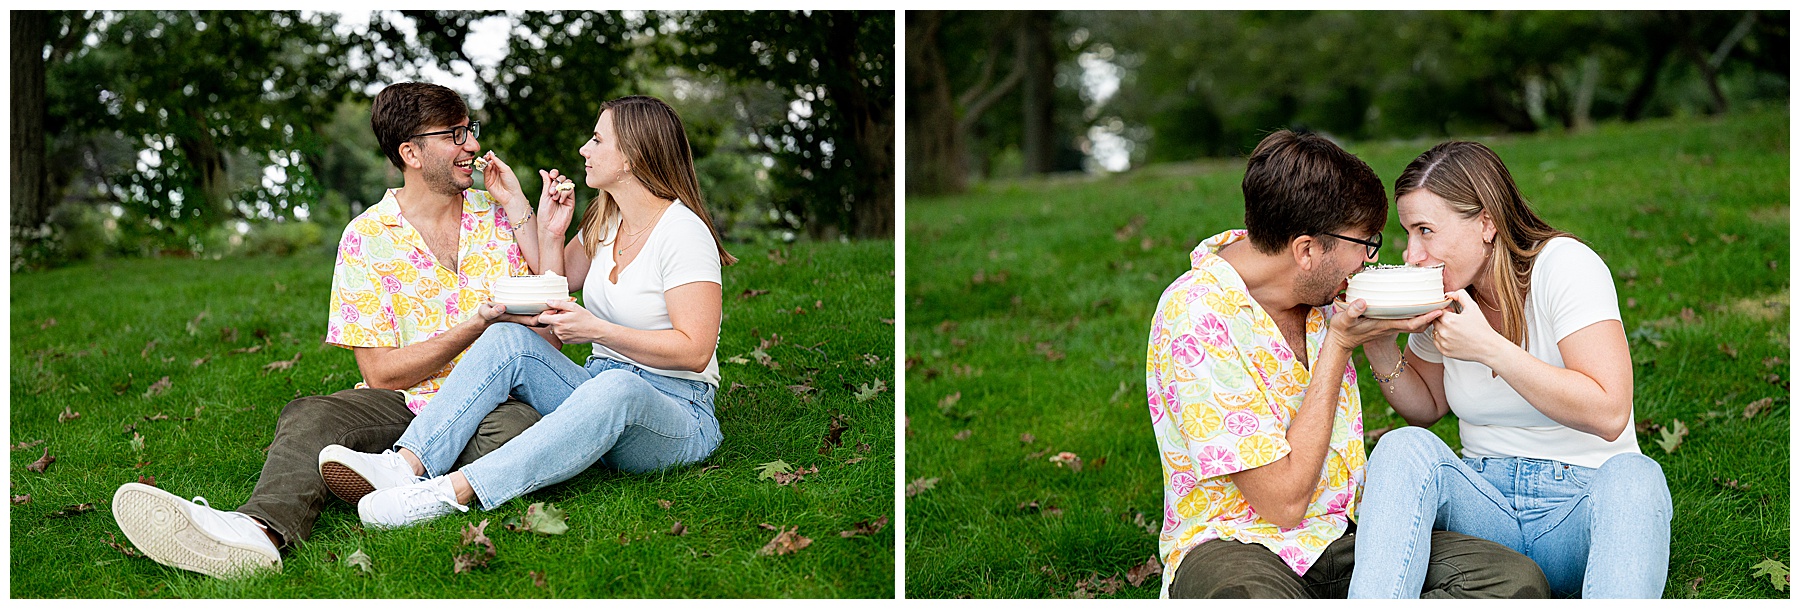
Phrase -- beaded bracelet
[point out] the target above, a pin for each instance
(1397, 370)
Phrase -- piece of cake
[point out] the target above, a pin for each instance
(565, 186)
(1388, 286)
(479, 163)
(531, 289)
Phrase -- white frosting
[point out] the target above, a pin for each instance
(531, 289)
(480, 163)
(565, 186)
(1387, 286)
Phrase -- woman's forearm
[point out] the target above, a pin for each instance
(665, 349)
(1570, 397)
(1407, 392)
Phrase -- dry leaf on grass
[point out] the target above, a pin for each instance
(1137, 575)
(868, 392)
(964, 434)
(537, 579)
(282, 364)
(1672, 436)
(539, 518)
(1067, 458)
(158, 387)
(137, 441)
(786, 478)
(147, 480)
(865, 528)
(1756, 407)
(920, 485)
(1775, 571)
(361, 561)
(122, 548)
(679, 529)
(24, 445)
(147, 348)
(834, 432)
(21, 499)
(665, 503)
(768, 470)
(749, 294)
(47, 323)
(42, 462)
(68, 414)
(785, 542)
(73, 510)
(480, 554)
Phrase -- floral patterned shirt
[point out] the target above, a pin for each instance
(1223, 387)
(387, 290)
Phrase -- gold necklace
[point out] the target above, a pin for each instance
(647, 227)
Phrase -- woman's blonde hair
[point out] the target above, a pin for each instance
(651, 137)
(1472, 179)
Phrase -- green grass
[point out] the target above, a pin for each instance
(828, 303)
(1690, 215)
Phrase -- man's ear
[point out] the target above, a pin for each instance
(1306, 251)
(411, 155)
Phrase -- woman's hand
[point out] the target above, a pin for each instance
(556, 208)
(573, 323)
(1348, 328)
(1466, 335)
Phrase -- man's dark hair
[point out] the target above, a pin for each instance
(401, 109)
(1302, 184)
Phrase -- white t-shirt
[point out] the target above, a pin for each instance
(680, 250)
(1571, 289)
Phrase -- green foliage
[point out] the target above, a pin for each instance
(1689, 214)
(220, 409)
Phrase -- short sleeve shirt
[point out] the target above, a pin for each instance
(1571, 289)
(680, 250)
(1223, 387)
(387, 290)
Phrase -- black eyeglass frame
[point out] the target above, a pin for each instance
(1374, 246)
(460, 134)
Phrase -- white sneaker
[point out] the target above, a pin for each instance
(192, 535)
(408, 505)
(350, 474)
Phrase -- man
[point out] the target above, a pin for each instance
(1263, 459)
(409, 293)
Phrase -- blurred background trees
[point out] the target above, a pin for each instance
(1129, 88)
(209, 132)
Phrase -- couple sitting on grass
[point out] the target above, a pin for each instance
(1259, 422)
(458, 405)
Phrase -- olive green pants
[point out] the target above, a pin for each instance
(1461, 567)
(290, 494)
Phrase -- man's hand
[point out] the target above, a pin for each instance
(491, 313)
(1349, 329)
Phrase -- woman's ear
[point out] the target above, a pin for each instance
(1487, 227)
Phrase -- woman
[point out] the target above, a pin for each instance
(1535, 365)
(647, 259)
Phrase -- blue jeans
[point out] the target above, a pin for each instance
(607, 412)
(1599, 533)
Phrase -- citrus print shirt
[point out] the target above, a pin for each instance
(1223, 387)
(387, 290)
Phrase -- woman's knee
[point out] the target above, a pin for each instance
(1632, 479)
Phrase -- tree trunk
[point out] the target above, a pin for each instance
(871, 121)
(1038, 94)
(208, 161)
(1659, 48)
(1584, 93)
(30, 200)
(933, 134)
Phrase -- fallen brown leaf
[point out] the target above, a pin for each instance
(73, 510)
(749, 294)
(678, 530)
(24, 445)
(157, 417)
(786, 478)
(834, 432)
(665, 503)
(1027, 438)
(249, 349)
(47, 323)
(949, 400)
(865, 528)
(157, 388)
(785, 542)
(203, 360)
(854, 461)
(920, 485)
(147, 347)
(42, 462)
(21, 499)
(68, 414)
(479, 555)
(1756, 407)
(964, 434)
(863, 447)
(1067, 458)
(122, 548)
(537, 579)
(1137, 575)
(282, 364)
(147, 480)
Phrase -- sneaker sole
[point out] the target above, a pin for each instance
(344, 482)
(157, 523)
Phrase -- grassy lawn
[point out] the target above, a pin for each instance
(96, 339)
(1028, 307)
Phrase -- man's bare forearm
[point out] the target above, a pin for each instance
(403, 367)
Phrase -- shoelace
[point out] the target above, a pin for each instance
(417, 505)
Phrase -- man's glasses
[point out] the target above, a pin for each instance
(1372, 246)
(458, 135)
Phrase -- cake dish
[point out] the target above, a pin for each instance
(1388, 286)
(530, 294)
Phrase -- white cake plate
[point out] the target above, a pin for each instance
(1398, 311)
(526, 309)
